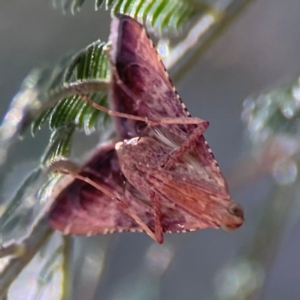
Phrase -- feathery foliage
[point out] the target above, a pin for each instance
(90, 64)
(159, 16)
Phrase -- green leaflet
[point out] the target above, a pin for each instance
(158, 16)
(90, 64)
(59, 145)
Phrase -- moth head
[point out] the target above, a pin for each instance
(234, 218)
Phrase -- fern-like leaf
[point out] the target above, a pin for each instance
(59, 145)
(90, 64)
(159, 16)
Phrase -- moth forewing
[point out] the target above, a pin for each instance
(211, 209)
(92, 204)
(185, 185)
(78, 207)
(137, 65)
(81, 209)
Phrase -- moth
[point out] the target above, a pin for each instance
(159, 175)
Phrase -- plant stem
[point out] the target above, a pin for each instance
(274, 222)
(31, 245)
(67, 276)
(205, 32)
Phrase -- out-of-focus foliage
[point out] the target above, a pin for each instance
(43, 276)
(23, 210)
(272, 122)
(273, 127)
(274, 112)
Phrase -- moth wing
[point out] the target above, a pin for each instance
(203, 201)
(147, 91)
(80, 209)
(136, 63)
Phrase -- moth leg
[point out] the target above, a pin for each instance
(65, 167)
(156, 202)
(163, 120)
(160, 121)
(109, 111)
(187, 144)
(157, 217)
(157, 235)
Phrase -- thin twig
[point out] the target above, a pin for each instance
(193, 37)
